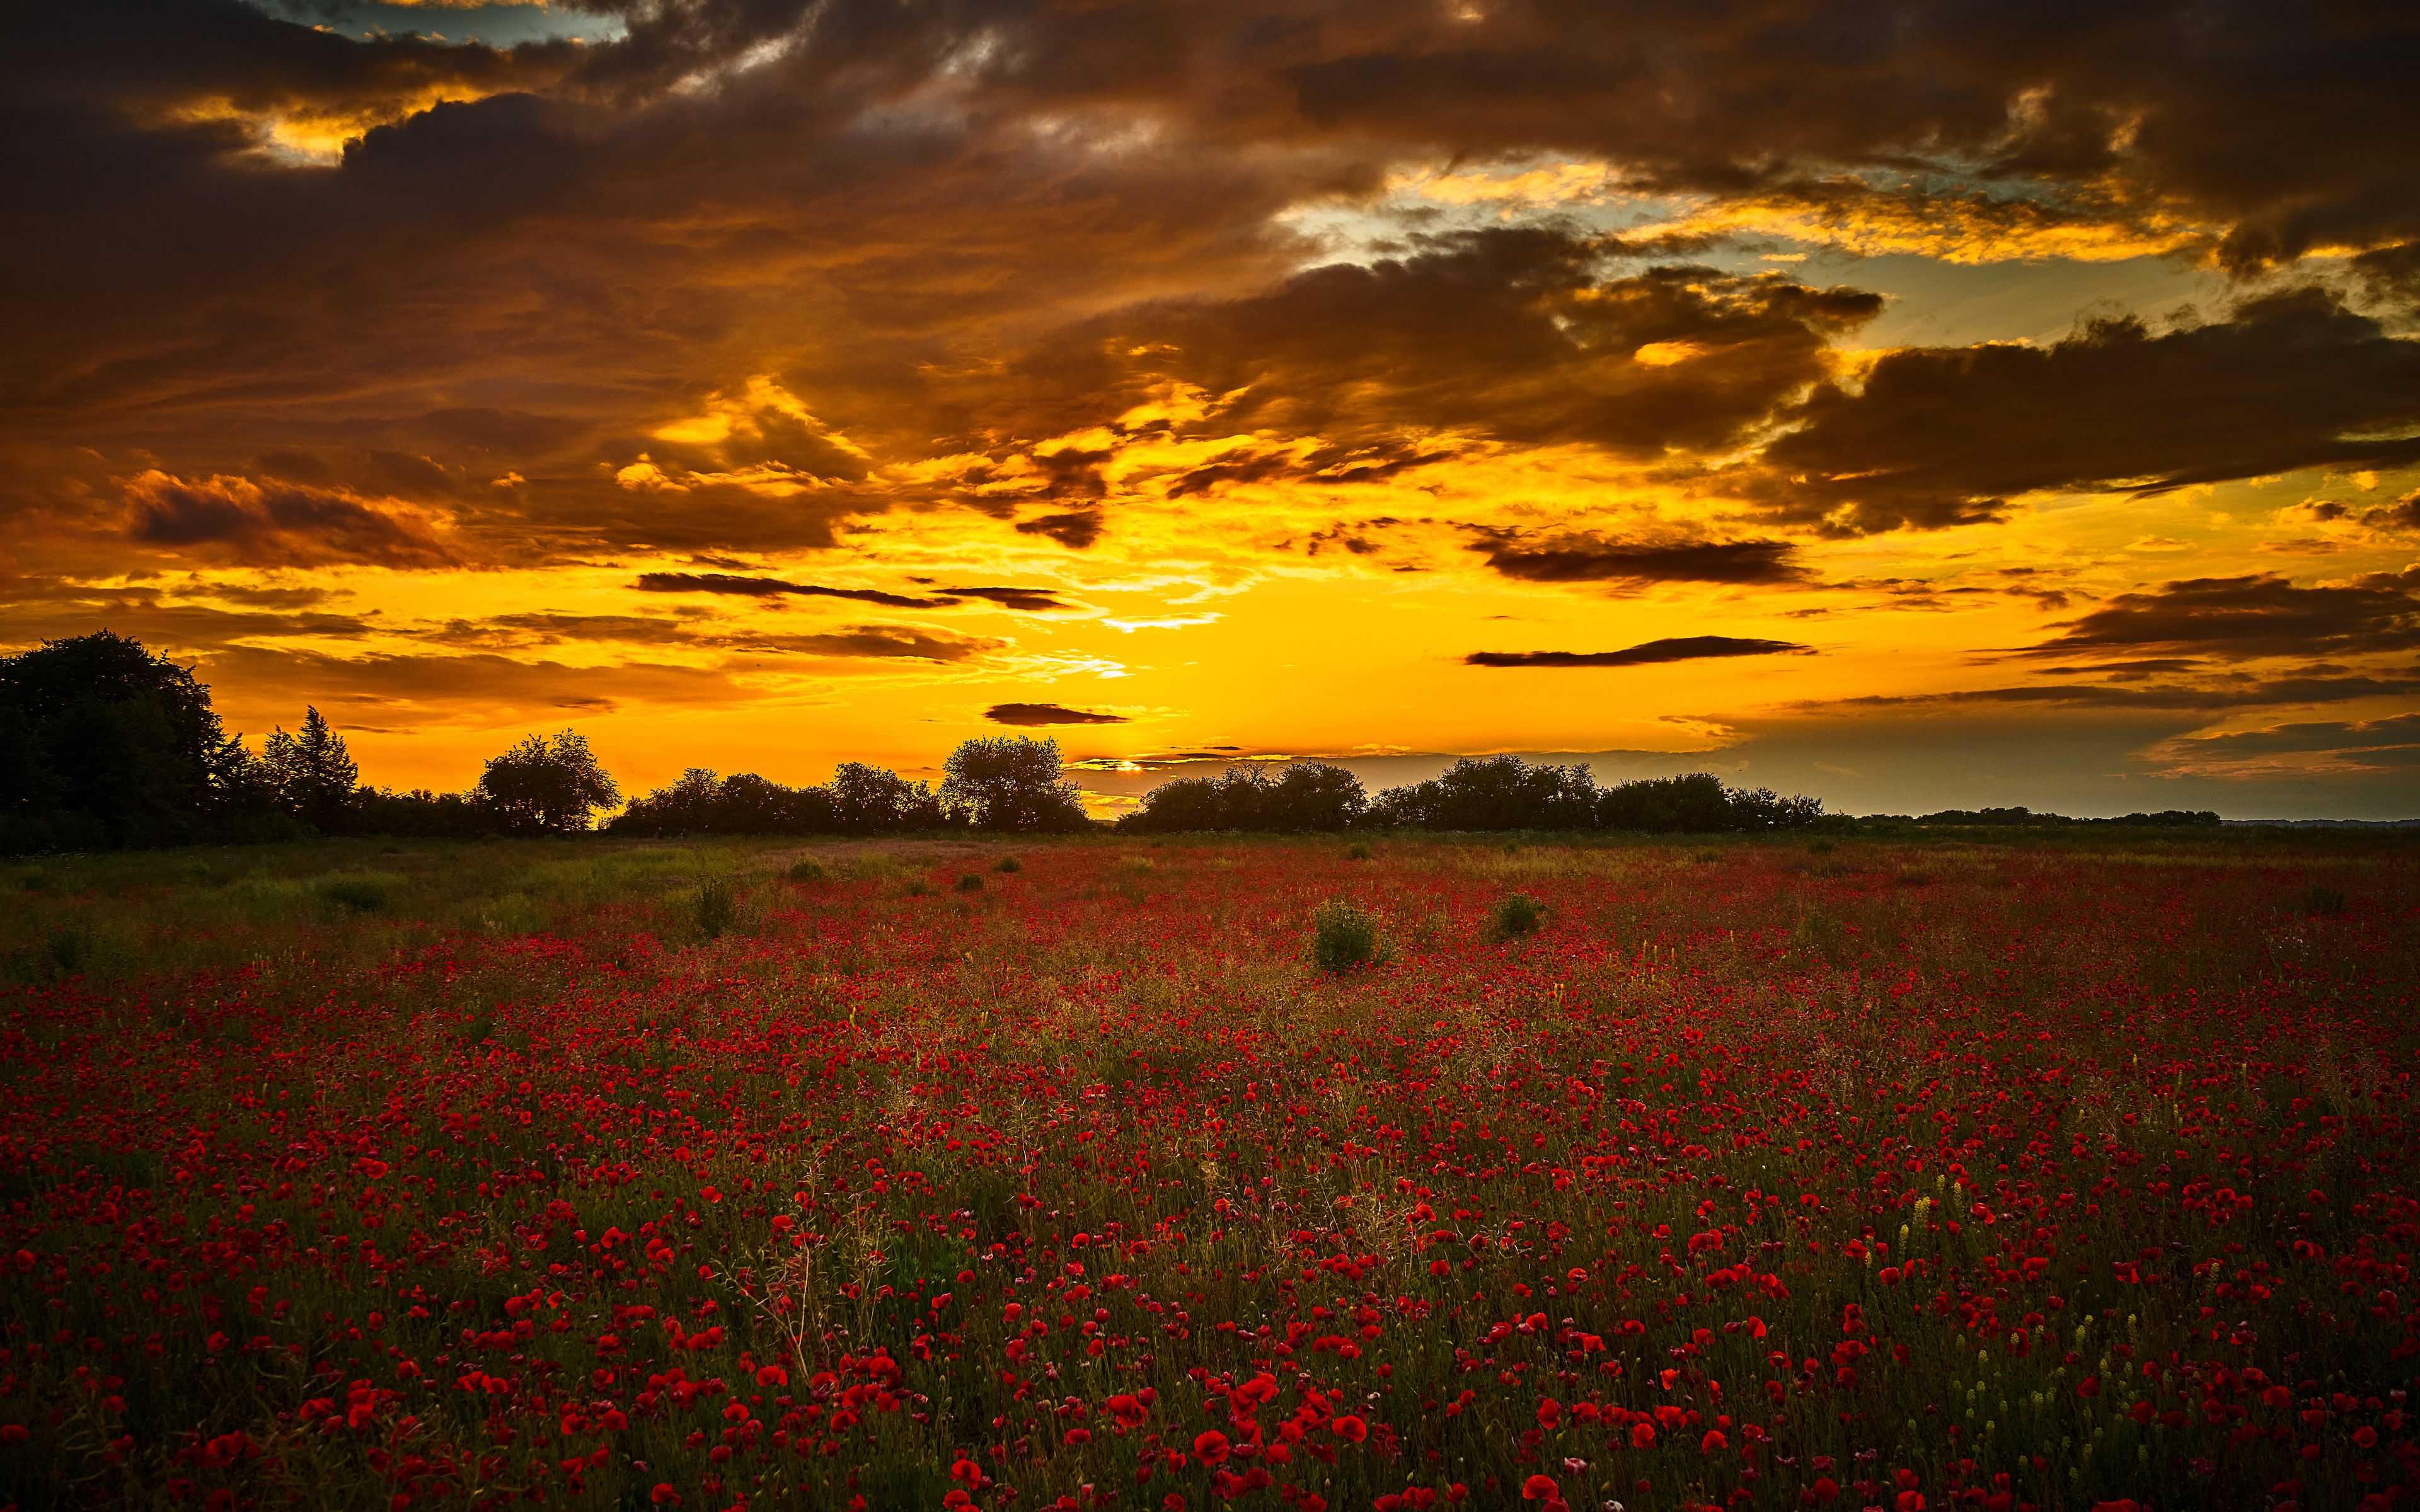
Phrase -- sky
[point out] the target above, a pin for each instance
(1916, 405)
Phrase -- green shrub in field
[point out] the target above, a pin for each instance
(2323, 902)
(916, 888)
(1343, 936)
(806, 874)
(1357, 852)
(714, 909)
(1515, 914)
(972, 882)
(358, 893)
(1008, 863)
(1821, 847)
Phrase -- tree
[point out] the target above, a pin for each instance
(1011, 782)
(870, 800)
(546, 788)
(103, 743)
(1493, 792)
(313, 773)
(1304, 795)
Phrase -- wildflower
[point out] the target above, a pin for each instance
(1540, 1488)
(1211, 1447)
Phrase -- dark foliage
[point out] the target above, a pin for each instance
(105, 745)
(1304, 797)
(546, 787)
(1011, 782)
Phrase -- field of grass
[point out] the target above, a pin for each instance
(1912, 1174)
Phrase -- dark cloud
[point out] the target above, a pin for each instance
(1026, 600)
(1041, 713)
(723, 582)
(1934, 437)
(2401, 517)
(1076, 530)
(878, 641)
(447, 687)
(276, 523)
(2212, 696)
(2394, 739)
(2240, 618)
(1672, 648)
(1581, 558)
(1527, 335)
(506, 630)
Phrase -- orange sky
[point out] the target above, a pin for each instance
(1985, 418)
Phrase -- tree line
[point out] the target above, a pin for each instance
(1477, 793)
(104, 744)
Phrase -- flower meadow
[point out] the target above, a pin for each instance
(1924, 1173)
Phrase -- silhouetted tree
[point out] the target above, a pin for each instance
(699, 803)
(313, 773)
(103, 743)
(870, 800)
(1493, 792)
(1011, 782)
(421, 814)
(1304, 796)
(546, 788)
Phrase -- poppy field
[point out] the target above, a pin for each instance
(1914, 1173)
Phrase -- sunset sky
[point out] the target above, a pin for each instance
(1912, 405)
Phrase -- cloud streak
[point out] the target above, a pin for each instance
(1647, 654)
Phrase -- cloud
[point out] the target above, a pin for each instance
(900, 642)
(1025, 600)
(388, 688)
(1043, 714)
(2401, 518)
(1076, 530)
(1530, 335)
(1934, 437)
(1652, 653)
(2240, 618)
(1580, 557)
(2217, 694)
(276, 523)
(723, 583)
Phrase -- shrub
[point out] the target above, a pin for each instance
(714, 909)
(972, 882)
(1343, 936)
(71, 950)
(1821, 847)
(1516, 915)
(2323, 902)
(916, 888)
(1008, 863)
(357, 892)
(1357, 852)
(806, 874)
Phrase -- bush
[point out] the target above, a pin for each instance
(1518, 913)
(916, 888)
(1008, 863)
(972, 882)
(807, 872)
(358, 893)
(1343, 936)
(1357, 852)
(714, 909)
(2323, 902)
